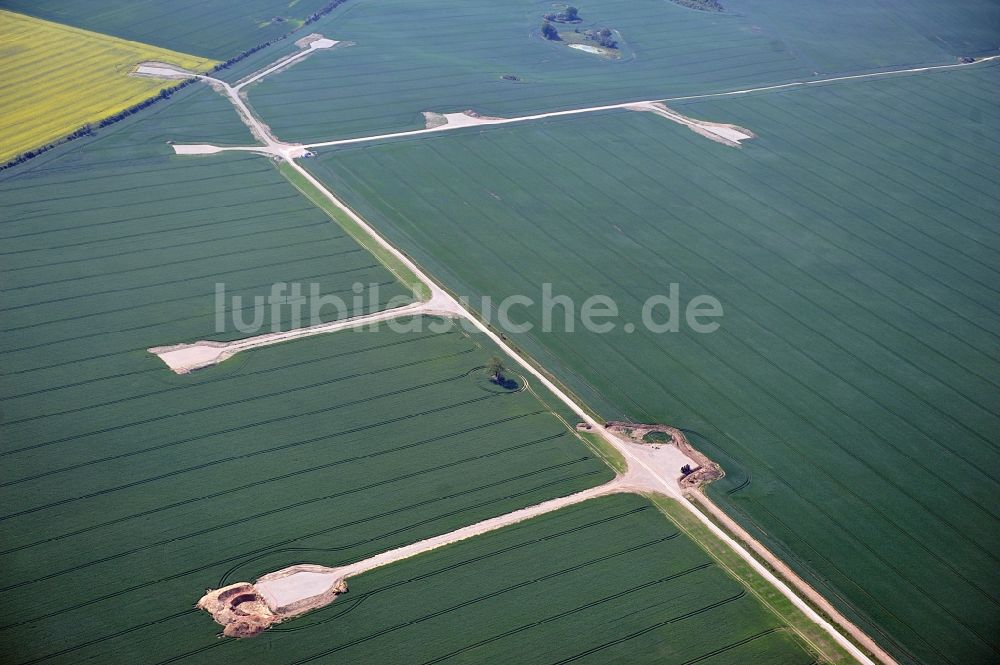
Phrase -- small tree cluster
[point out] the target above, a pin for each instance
(702, 5)
(568, 15)
(603, 36)
(549, 32)
(495, 370)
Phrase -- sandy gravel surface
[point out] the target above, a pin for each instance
(196, 149)
(730, 135)
(161, 71)
(184, 358)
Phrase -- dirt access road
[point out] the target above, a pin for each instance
(654, 479)
(184, 358)
(291, 151)
(305, 587)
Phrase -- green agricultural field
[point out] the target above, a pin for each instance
(138, 491)
(218, 29)
(432, 56)
(118, 245)
(851, 390)
(607, 581)
(127, 490)
(859, 35)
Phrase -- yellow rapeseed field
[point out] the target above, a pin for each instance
(54, 79)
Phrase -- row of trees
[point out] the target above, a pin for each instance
(88, 129)
(702, 5)
(164, 94)
(326, 9)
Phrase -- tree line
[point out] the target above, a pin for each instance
(88, 129)
(702, 5)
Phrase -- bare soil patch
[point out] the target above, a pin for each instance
(161, 70)
(726, 134)
(432, 119)
(467, 118)
(307, 41)
(704, 471)
(239, 609)
(245, 610)
(292, 591)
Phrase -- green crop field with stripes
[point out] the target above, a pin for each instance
(850, 391)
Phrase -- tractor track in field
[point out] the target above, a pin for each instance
(644, 474)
